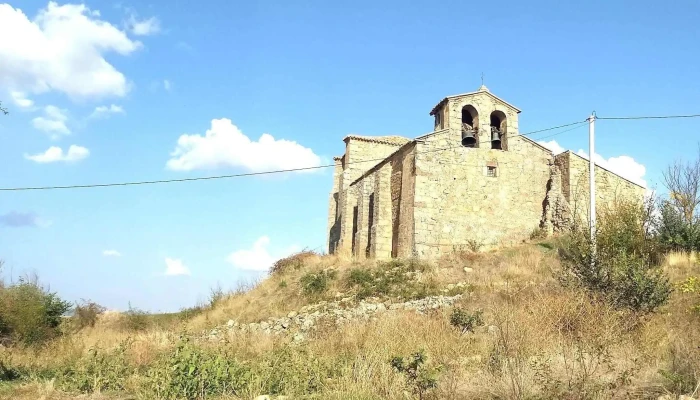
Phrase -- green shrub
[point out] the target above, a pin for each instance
(464, 320)
(191, 373)
(419, 377)
(361, 277)
(293, 371)
(624, 268)
(295, 261)
(474, 245)
(100, 371)
(8, 373)
(315, 283)
(216, 294)
(675, 231)
(691, 286)
(190, 312)
(393, 278)
(86, 313)
(135, 320)
(29, 313)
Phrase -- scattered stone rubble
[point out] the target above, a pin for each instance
(338, 312)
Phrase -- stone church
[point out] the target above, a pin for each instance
(473, 182)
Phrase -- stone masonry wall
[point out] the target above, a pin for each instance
(333, 207)
(384, 207)
(365, 189)
(361, 156)
(380, 239)
(402, 198)
(358, 158)
(457, 204)
(575, 185)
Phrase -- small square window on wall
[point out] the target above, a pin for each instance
(491, 171)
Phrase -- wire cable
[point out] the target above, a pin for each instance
(564, 131)
(556, 127)
(204, 178)
(651, 117)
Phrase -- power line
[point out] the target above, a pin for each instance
(556, 127)
(580, 125)
(203, 178)
(651, 117)
(136, 183)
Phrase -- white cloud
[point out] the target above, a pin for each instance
(144, 27)
(53, 122)
(105, 111)
(625, 166)
(553, 145)
(56, 154)
(21, 99)
(258, 258)
(167, 84)
(175, 267)
(63, 49)
(224, 145)
(111, 253)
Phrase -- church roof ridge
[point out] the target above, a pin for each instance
(390, 140)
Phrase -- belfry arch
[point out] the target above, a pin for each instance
(499, 130)
(470, 126)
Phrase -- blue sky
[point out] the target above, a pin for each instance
(123, 82)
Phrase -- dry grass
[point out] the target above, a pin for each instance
(47, 391)
(540, 340)
(680, 265)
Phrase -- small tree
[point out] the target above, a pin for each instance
(674, 231)
(624, 269)
(682, 179)
(30, 313)
(465, 321)
(86, 313)
(419, 377)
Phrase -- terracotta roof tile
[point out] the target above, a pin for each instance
(391, 140)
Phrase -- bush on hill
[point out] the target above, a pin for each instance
(624, 268)
(29, 313)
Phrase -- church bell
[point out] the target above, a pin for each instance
(496, 137)
(468, 139)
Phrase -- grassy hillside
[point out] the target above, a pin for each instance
(481, 326)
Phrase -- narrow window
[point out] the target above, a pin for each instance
(370, 222)
(354, 227)
(491, 171)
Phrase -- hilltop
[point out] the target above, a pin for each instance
(481, 325)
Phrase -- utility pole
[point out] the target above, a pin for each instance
(591, 166)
